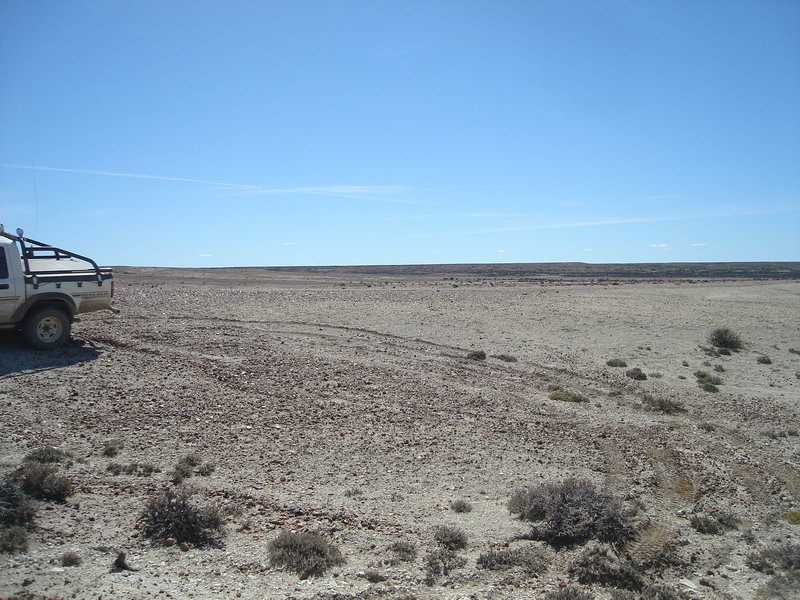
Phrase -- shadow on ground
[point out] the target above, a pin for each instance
(16, 358)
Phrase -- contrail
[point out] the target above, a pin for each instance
(130, 175)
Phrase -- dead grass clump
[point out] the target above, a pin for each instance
(570, 592)
(441, 561)
(712, 524)
(573, 511)
(461, 506)
(173, 514)
(450, 537)
(651, 592)
(42, 482)
(134, 468)
(598, 564)
(403, 552)
(616, 362)
(780, 587)
(785, 557)
(71, 559)
(662, 404)
(13, 539)
(567, 396)
(636, 373)
(764, 360)
(707, 426)
(46, 455)
(184, 468)
(532, 560)
(205, 469)
(111, 448)
(305, 553)
(793, 516)
(16, 507)
(722, 337)
(477, 355)
(719, 368)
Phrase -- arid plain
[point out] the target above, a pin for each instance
(344, 403)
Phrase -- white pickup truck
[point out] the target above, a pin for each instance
(42, 288)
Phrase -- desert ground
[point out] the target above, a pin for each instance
(344, 403)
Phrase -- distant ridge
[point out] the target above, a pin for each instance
(694, 270)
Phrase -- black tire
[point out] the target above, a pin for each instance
(46, 328)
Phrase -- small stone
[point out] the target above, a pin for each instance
(170, 541)
(185, 546)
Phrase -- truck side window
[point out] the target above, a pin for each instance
(3, 264)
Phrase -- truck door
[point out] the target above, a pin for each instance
(8, 289)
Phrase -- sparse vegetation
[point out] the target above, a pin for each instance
(461, 506)
(353, 492)
(185, 468)
(442, 561)
(573, 511)
(305, 553)
(712, 524)
(722, 337)
(616, 362)
(403, 552)
(764, 360)
(794, 350)
(374, 576)
(476, 355)
(173, 514)
(205, 469)
(16, 507)
(505, 358)
(112, 447)
(46, 455)
(707, 426)
(599, 564)
(532, 560)
(793, 516)
(13, 539)
(636, 373)
(135, 468)
(570, 592)
(719, 368)
(450, 537)
(42, 482)
(707, 382)
(71, 559)
(566, 396)
(651, 592)
(662, 404)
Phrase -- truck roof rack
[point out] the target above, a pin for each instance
(32, 249)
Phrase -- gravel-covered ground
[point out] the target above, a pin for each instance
(346, 405)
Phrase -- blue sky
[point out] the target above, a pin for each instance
(211, 133)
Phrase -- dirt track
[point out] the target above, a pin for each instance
(346, 404)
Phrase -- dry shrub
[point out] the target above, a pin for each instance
(573, 511)
(71, 559)
(598, 564)
(403, 552)
(477, 355)
(41, 481)
(461, 506)
(450, 537)
(764, 360)
(636, 373)
(782, 557)
(712, 524)
(722, 337)
(531, 559)
(173, 514)
(442, 561)
(781, 587)
(46, 455)
(505, 358)
(13, 539)
(662, 404)
(566, 396)
(111, 448)
(652, 592)
(616, 362)
(570, 592)
(16, 507)
(305, 553)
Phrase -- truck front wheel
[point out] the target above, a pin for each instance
(46, 328)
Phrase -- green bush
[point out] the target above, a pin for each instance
(722, 337)
(305, 553)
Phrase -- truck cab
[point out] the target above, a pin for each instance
(43, 288)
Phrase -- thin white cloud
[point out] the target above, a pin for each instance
(288, 243)
(627, 221)
(354, 192)
(659, 245)
(700, 244)
(502, 250)
(588, 249)
(204, 255)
